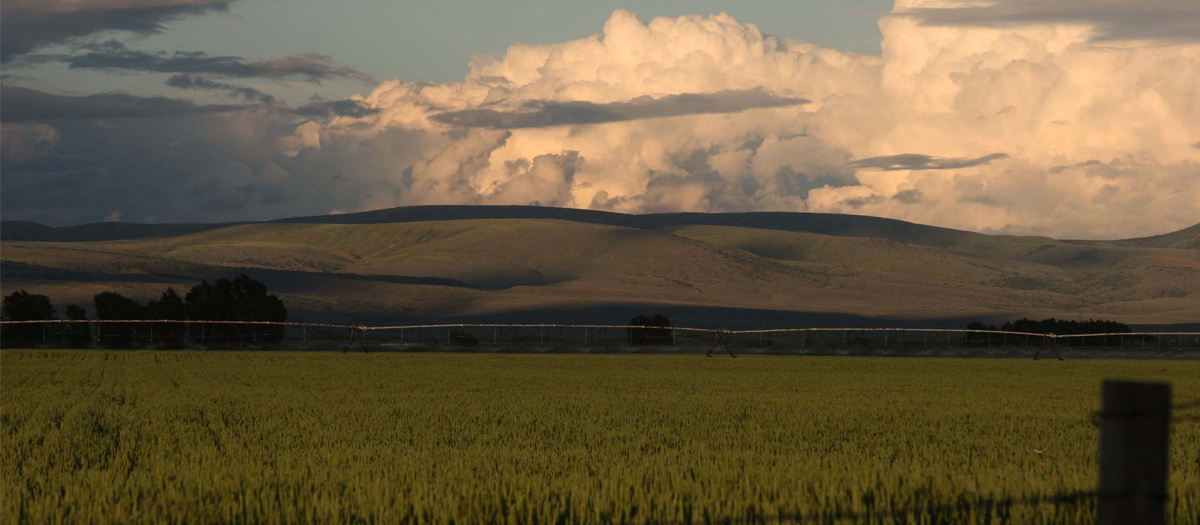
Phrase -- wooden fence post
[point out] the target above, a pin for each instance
(1134, 431)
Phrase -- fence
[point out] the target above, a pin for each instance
(616, 338)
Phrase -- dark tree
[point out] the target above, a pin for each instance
(978, 338)
(169, 307)
(1066, 327)
(462, 338)
(24, 306)
(77, 335)
(253, 303)
(242, 299)
(650, 336)
(114, 306)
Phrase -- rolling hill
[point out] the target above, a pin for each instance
(530, 263)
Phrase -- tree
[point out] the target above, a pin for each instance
(169, 307)
(78, 335)
(650, 336)
(1066, 327)
(253, 303)
(114, 306)
(24, 306)
(242, 299)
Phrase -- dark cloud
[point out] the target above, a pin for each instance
(669, 193)
(10, 76)
(545, 114)
(23, 104)
(602, 201)
(23, 142)
(1168, 21)
(26, 25)
(912, 196)
(204, 168)
(188, 81)
(917, 161)
(335, 108)
(1085, 164)
(310, 67)
(858, 202)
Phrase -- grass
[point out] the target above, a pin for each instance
(275, 437)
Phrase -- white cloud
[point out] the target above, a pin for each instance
(992, 111)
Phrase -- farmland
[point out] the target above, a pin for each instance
(306, 437)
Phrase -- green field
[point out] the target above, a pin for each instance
(275, 437)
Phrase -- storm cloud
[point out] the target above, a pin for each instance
(22, 104)
(309, 67)
(26, 25)
(23, 142)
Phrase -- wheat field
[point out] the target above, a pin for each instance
(295, 437)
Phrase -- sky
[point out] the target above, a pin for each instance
(1074, 118)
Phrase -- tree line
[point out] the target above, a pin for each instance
(1060, 327)
(239, 299)
(656, 331)
(1056, 326)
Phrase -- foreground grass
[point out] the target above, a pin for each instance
(271, 437)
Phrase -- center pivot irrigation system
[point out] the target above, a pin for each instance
(357, 333)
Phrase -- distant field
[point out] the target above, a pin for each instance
(283, 437)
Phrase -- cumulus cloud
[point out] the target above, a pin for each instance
(23, 104)
(1097, 139)
(26, 25)
(923, 123)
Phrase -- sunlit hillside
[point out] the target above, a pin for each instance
(426, 266)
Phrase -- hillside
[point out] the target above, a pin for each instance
(823, 223)
(1185, 239)
(521, 262)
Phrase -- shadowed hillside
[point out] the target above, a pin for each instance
(447, 262)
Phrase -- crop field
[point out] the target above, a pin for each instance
(316, 437)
